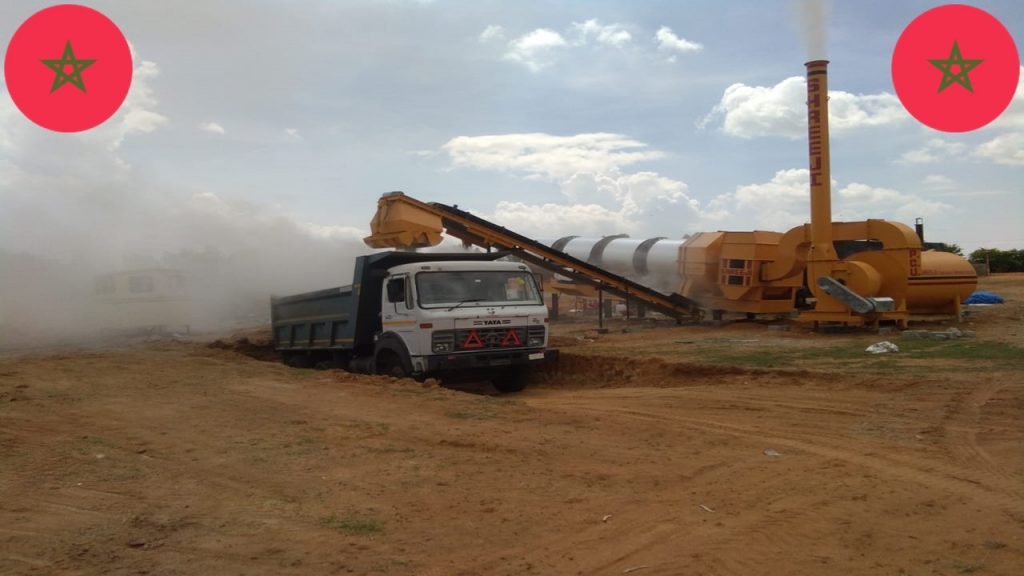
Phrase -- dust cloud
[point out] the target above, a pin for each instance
(225, 267)
(73, 211)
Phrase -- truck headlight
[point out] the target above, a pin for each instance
(442, 341)
(535, 336)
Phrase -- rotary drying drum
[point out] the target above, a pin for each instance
(653, 262)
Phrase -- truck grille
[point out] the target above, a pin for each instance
(491, 338)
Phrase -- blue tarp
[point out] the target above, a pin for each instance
(982, 297)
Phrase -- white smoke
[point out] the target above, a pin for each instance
(813, 19)
(72, 208)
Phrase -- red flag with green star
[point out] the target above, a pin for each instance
(68, 68)
(955, 68)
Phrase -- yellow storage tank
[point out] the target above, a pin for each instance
(942, 281)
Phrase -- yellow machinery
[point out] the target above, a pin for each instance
(761, 272)
(756, 272)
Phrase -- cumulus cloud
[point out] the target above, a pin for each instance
(491, 33)
(851, 111)
(600, 198)
(631, 194)
(1013, 116)
(610, 35)
(1005, 149)
(542, 47)
(292, 133)
(138, 109)
(787, 187)
(535, 49)
(642, 203)
(670, 43)
(779, 204)
(780, 110)
(784, 202)
(857, 201)
(212, 128)
(79, 158)
(542, 220)
(548, 156)
(934, 150)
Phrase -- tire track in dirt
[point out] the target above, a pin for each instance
(703, 383)
(604, 545)
(788, 529)
(713, 400)
(664, 539)
(34, 562)
(656, 534)
(955, 480)
(960, 427)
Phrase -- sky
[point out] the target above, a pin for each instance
(273, 127)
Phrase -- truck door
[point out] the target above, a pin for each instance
(398, 313)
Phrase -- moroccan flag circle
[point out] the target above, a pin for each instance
(68, 68)
(955, 68)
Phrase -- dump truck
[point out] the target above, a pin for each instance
(452, 316)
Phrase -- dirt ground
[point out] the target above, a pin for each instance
(742, 449)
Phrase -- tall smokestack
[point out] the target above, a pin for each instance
(821, 178)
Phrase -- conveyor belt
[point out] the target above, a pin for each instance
(406, 228)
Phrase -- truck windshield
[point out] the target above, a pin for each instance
(473, 288)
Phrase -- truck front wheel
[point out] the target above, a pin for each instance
(389, 363)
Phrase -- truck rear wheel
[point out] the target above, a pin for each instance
(297, 359)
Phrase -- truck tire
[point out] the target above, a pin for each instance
(296, 359)
(390, 363)
(511, 380)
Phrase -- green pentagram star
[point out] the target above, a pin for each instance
(74, 76)
(963, 66)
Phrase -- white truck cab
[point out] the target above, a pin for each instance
(451, 316)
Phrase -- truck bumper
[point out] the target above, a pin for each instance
(486, 360)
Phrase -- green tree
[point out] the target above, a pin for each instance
(1000, 260)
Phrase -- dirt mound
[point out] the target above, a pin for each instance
(596, 371)
(252, 343)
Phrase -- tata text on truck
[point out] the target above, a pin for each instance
(420, 314)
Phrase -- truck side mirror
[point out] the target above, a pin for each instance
(396, 290)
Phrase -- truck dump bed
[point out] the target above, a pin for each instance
(346, 318)
(322, 319)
